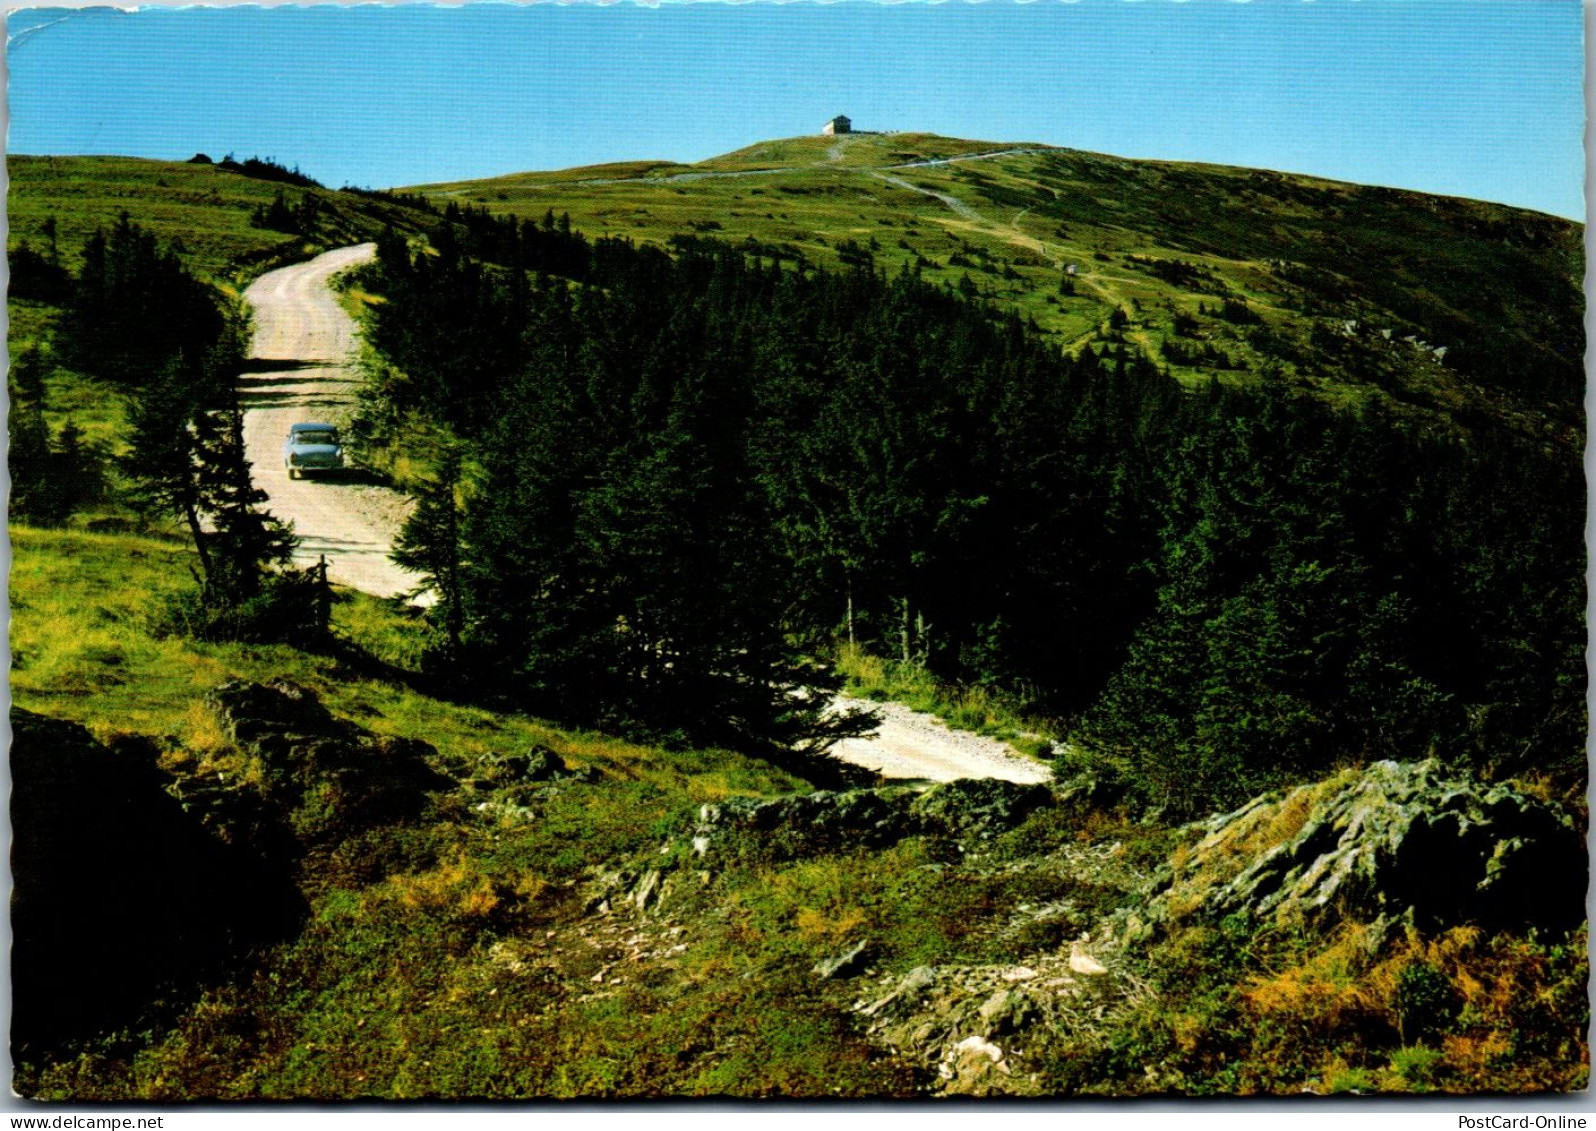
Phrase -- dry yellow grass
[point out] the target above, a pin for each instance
(457, 890)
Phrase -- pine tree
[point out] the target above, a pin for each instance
(243, 540)
(187, 461)
(34, 493)
(430, 544)
(133, 307)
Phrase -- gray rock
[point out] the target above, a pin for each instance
(356, 778)
(917, 981)
(907, 992)
(1006, 1011)
(825, 821)
(845, 965)
(1398, 841)
(979, 807)
(1087, 792)
(647, 892)
(805, 824)
(537, 765)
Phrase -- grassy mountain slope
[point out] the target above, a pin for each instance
(201, 211)
(567, 940)
(498, 947)
(1448, 308)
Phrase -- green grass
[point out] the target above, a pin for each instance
(810, 209)
(457, 955)
(84, 648)
(411, 952)
(200, 211)
(204, 208)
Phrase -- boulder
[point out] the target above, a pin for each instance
(846, 964)
(908, 991)
(543, 764)
(1412, 841)
(648, 889)
(262, 714)
(974, 1067)
(979, 808)
(539, 764)
(805, 824)
(337, 776)
(824, 821)
(1084, 791)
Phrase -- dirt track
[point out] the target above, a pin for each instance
(299, 324)
(914, 745)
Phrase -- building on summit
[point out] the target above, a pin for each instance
(837, 125)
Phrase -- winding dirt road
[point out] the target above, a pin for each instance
(302, 371)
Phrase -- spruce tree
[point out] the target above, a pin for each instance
(243, 540)
(35, 494)
(133, 307)
(187, 461)
(430, 544)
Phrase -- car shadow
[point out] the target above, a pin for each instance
(346, 476)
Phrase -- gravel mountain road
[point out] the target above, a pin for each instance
(302, 350)
(299, 325)
(911, 744)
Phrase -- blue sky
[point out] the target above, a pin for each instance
(1478, 98)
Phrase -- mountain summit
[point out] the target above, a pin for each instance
(1427, 305)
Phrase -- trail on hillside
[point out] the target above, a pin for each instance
(957, 157)
(303, 348)
(952, 202)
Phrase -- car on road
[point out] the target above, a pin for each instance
(312, 447)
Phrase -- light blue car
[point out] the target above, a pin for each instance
(312, 447)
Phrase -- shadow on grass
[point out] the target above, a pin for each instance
(456, 686)
(125, 904)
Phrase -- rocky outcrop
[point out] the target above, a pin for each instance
(845, 965)
(1401, 844)
(974, 1029)
(978, 808)
(334, 777)
(807, 824)
(1398, 841)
